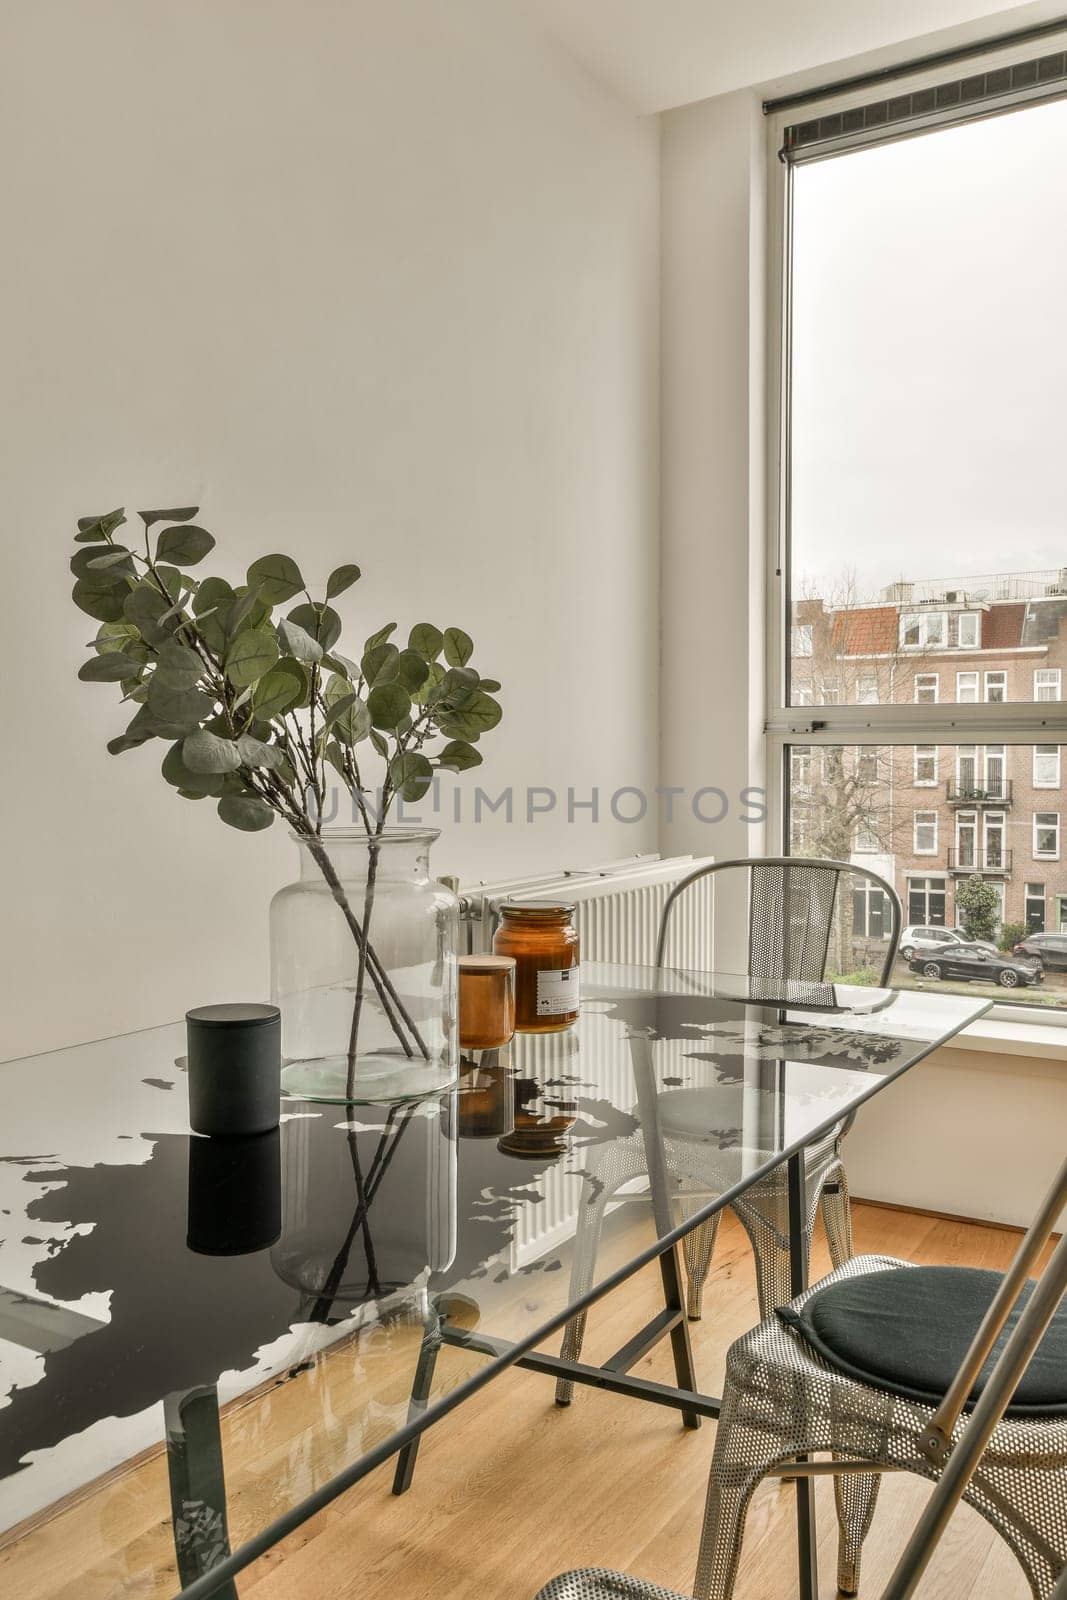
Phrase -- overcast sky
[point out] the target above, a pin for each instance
(930, 355)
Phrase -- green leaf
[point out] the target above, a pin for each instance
(178, 666)
(428, 691)
(109, 668)
(126, 741)
(98, 578)
(283, 687)
(380, 744)
(388, 704)
(322, 622)
(182, 709)
(121, 635)
(490, 685)
(412, 670)
(105, 605)
(206, 752)
(458, 756)
(211, 593)
(245, 610)
(411, 775)
(297, 642)
(278, 578)
(116, 556)
(144, 606)
(181, 514)
(426, 639)
(380, 637)
(245, 811)
(459, 647)
(336, 662)
(251, 655)
(95, 530)
(475, 717)
(349, 719)
(184, 545)
(340, 579)
(336, 757)
(380, 663)
(185, 778)
(256, 753)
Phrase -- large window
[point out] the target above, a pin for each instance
(920, 635)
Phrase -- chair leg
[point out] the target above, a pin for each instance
(837, 1215)
(698, 1247)
(855, 1496)
(583, 1267)
(730, 1487)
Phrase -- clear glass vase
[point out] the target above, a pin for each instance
(363, 969)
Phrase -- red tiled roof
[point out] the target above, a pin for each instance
(866, 632)
(1002, 627)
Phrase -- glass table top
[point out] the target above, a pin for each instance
(290, 1278)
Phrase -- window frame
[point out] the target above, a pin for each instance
(974, 617)
(938, 721)
(1045, 855)
(928, 680)
(1056, 674)
(930, 751)
(1044, 783)
(929, 819)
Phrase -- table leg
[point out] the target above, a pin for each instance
(641, 1054)
(432, 1339)
(197, 1485)
(807, 1551)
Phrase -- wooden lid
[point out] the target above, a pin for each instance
(486, 963)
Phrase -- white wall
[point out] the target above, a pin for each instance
(712, 467)
(367, 281)
(966, 1132)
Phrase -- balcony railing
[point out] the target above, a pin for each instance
(992, 792)
(991, 859)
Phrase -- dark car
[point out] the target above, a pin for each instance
(1048, 948)
(975, 963)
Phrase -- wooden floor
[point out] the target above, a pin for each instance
(511, 1490)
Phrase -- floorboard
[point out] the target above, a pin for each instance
(511, 1490)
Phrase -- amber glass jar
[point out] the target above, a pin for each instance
(486, 1001)
(541, 936)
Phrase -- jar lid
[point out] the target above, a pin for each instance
(486, 963)
(539, 908)
(233, 1014)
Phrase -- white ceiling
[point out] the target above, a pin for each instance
(661, 53)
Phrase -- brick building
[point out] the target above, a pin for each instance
(926, 816)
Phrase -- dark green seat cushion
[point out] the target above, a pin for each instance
(906, 1330)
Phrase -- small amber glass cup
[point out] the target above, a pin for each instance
(542, 938)
(486, 1001)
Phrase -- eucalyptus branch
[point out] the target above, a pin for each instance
(226, 688)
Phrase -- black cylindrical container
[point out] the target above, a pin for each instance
(234, 1068)
(235, 1194)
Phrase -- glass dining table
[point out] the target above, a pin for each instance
(252, 1326)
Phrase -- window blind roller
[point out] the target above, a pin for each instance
(979, 94)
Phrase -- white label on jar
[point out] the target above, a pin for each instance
(557, 992)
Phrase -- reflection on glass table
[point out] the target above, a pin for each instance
(258, 1325)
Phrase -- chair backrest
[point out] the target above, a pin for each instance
(793, 902)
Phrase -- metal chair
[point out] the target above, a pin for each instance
(783, 1403)
(793, 907)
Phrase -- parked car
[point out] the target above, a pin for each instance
(977, 963)
(918, 937)
(1048, 948)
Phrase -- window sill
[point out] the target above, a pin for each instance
(1011, 1037)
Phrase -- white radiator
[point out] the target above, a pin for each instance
(618, 908)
